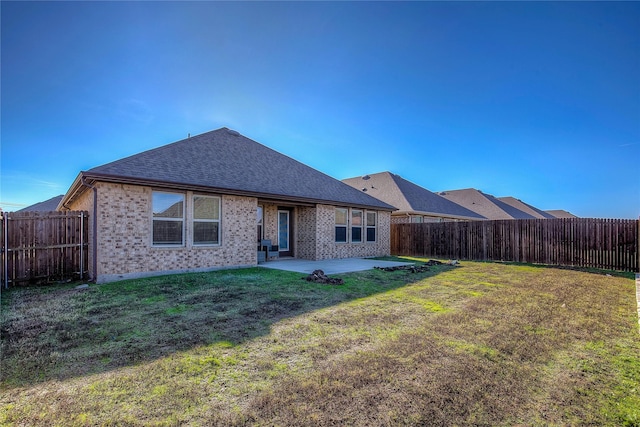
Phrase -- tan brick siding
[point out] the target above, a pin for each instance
(306, 229)
(314, 234)
(270, 232)
(124, 235)
(124, 247)
(327, 248)
(85, 203)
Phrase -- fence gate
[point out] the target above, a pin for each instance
(43, 247)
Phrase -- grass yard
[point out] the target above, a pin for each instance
(483, 344)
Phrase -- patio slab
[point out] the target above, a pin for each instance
(329, 266)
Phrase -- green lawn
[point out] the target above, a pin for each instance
(478, 344)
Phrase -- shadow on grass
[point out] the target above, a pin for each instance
(60, 332)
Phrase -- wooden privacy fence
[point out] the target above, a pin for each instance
(582, 242)
(42, 247)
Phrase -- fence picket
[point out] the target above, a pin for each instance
(581, 242)
(43, 246)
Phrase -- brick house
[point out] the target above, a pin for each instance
(204, 202)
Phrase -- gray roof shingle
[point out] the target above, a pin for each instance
(560, 213)
(525, 207)
(484, 204)
(409, 197)
(225, 160)
(46, 206)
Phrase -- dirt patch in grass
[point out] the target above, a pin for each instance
(480, 344)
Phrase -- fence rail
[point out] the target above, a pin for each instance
(42, 247)
(582, 242)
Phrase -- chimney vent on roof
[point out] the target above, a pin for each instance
(366, 177)
(233, 132)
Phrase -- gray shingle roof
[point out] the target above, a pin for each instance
(525, 207)
(409, 197)
(484, 204)
(46, 206)
(560, 213)
(225, 160)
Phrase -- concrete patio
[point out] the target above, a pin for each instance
(329, 266)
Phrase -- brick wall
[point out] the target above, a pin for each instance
(327, 248)
(270, 213)
(306, 228)
(124, 236)
(85, 203)
(124, 224)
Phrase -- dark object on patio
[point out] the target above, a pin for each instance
(262, 255)
(318, 276)
(270, 250)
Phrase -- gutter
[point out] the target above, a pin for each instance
(234, 192)
(94, 237)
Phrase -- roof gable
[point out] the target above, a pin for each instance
(560, 213)
(409, 197)
(484, 204)
(225, 160)
(525, 207)
(45, 206)
(423, 200)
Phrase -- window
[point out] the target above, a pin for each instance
(168, 218)
(371, 226)
(342, 216)
(206, 220)
(356, 226)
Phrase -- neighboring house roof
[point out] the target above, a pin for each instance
(46, 206)
(484, 204)
(225, 161)
(408, 197)
(524, 207)
(559, 213)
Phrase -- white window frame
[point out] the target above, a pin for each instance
(361, 226)
(345, 225)
(374, 226)
(168, 219)
(194, 220)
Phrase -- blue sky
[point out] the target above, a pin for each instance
(535, 100)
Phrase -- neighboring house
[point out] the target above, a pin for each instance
(526, 208)
(484, 204)
(46, 206)
(204, 202)
(414, 203)
(559, 213)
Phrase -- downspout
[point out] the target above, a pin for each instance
(94, 237)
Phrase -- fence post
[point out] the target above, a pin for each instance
(82, 245)
(5, 250)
